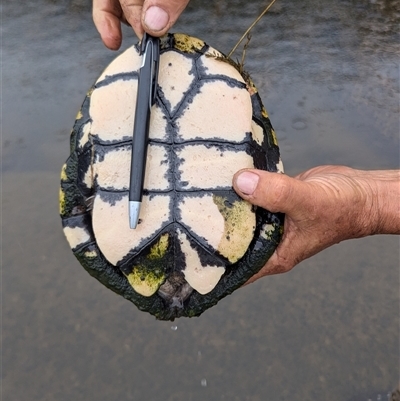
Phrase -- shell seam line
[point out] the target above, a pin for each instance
(124, 76)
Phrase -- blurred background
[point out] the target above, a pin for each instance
(328, 73)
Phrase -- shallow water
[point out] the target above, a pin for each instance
(328, 74)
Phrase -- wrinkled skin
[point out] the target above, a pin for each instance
(323, 206)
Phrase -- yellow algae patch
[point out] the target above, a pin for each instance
(187, 44)
(158, 250)
(239, 226)
(62, 201)
(275, 139)
(64, 176)
(79, 115)
(146, 279)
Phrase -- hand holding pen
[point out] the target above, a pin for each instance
(147, 84)
(156, 17)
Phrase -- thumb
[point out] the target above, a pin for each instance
(158, 16)
(272, 191)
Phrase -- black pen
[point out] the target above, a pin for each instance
(147, 83)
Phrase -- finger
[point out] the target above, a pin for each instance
(132, 11)
(272, 191)
(277, 193)
(106, 17)
(158, 16)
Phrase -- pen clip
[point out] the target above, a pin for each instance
(150, 51)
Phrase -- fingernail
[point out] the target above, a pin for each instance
(247, 182)
(156, 18)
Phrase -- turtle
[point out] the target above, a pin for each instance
(197, 241)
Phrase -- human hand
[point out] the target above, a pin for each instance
(153, 16)
(323, 206)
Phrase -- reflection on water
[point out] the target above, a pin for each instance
(328, 74)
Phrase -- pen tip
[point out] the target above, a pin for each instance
(134, 210)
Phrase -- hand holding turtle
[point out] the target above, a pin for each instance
(153, 16)
(323, 206)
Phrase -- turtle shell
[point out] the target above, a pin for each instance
(197, 240)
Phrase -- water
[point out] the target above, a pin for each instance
(329, 330)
